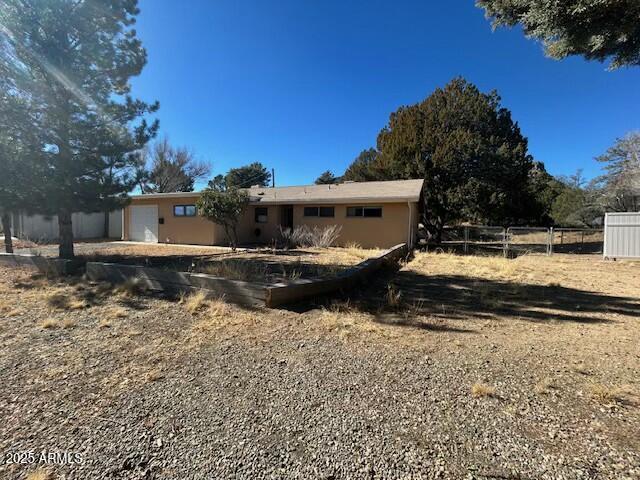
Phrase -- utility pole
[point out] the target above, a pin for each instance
(273, 177)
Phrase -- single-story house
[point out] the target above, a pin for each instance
(371, 214)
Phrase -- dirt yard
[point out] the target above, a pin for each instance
(452, 367)
(271, 266)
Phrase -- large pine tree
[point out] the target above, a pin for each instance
(80, 56)
(465, 145)
(22, 154)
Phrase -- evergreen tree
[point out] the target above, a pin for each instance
(595, 29)
(364, 168)
(22, 153)
(327, 178)
(247, 176)
(81, 56)
(471, 154)
(217, 183)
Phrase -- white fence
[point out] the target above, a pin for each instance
(85, 226)
(622, 235)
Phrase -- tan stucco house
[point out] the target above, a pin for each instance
(372, 214)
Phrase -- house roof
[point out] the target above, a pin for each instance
(349, 192)
(365, 192)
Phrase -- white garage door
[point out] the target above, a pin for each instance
(143, 225)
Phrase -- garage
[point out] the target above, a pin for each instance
(143, 223)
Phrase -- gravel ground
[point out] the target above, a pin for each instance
(149, 388)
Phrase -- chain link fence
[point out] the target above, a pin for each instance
(514, 241)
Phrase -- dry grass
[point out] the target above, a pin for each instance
(68, 323)
(115, 313)
(40, 474)
(131, 287)
(581, 369)
(544, 386)
(194, 302)
(270, 265)
(393, 296)
(480, 390)
(8, 309)
(105, 323)
(346, 321)
(150, 250)
(63, 301)
(50, 323)
(236, 269)
(608, 395)
(154, 376)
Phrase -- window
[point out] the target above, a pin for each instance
(319, 212)
(184, 210)
(364, 211)
(261, 214)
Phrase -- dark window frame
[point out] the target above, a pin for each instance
(256, 215)
(184, 210)
(316, 212)
(359, 211)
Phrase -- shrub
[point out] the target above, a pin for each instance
(304, 236)
(479, 390)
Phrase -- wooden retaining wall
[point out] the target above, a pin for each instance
(283, 293)
(235, 291)
(48, 266)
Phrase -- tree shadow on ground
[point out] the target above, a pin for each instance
(460, 297)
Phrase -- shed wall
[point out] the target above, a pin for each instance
(622, 235)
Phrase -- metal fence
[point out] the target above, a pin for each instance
(622, 235)
(514, 241)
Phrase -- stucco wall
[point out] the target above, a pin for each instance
(387, 231)
(369, 232)
(190, 230)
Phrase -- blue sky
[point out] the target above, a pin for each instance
(304, 86)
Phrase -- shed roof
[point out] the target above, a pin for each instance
(348, 192)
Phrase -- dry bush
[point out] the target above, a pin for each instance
(305, 236)
(324, 237)
(58, 300)
(50, 323)
(218, 308)
(479, 390)
(68, 323)
(115, 313)
(194, 302)
(40, 474)
(214, 312)
(62, 301)
(608, 395)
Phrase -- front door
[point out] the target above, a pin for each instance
(286, 216)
